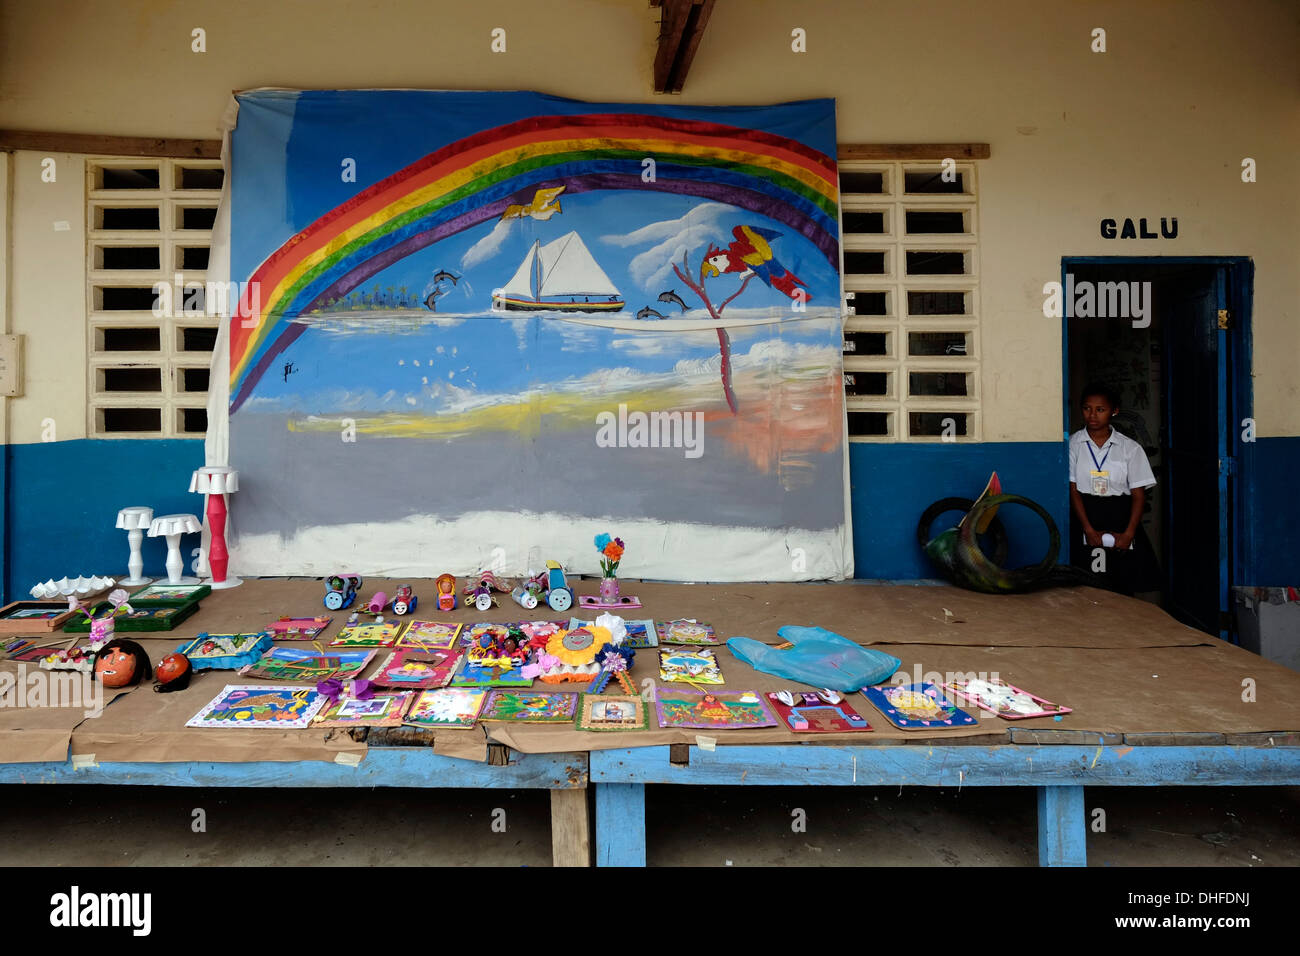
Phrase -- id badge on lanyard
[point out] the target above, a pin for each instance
(1100, 478)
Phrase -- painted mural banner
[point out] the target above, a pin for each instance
(477, 327)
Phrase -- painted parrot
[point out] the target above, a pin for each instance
(751, 254)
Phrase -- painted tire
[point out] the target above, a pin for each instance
(561, 599)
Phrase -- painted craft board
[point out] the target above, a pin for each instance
(455, 707)
(430, 635)
(35, 653)
(715, 710)
(156, 616)
(298, 628)
(1006, 700)
(812, 715)
(367, 635)
(417, 670)
(686, 631)
(917, 707)
(536, 629)
(528, 707)
(689, 666)
(639, 633)
(306, 664)
(171, 592)
(602, 712)
(485, 675)
(381, 710)
(225, 652)
(35, 617)
(258, 707)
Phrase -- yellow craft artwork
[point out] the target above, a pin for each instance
(578, 646)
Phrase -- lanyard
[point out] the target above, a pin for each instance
(1094, 455)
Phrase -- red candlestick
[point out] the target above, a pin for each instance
(218, 556)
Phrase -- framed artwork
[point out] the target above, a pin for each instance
(171, 592)
(417, 669)
(152, 616)
(367, 635)
(547, 707)
(606, 712)
(716, 710)
(917, 707)
(430, 635)
(689, 666)
(1006, 700)
(298, 628)
(259, 707)
(381, 710)
(487, 675)
(225, 651)
(639, 633)
(686, 631)
(306, 664)
(446, 707)
(810, 714)
(34, 617)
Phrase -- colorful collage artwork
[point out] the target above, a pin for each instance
(639, 633)
(367, 635)
(1006, 700)
(811, 714)
(486, 675)
(259, 707)
(225, 651)
(917, 707)
(417, 669)
(298, 628)
(717, 710)
(456, 707)
(537, 629)
(529, 707)
(291, 663)
(686, 631)
(172, 592)
(381, 710)
(601, 712)
(430, 635)
(689, 666)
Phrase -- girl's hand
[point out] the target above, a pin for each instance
(1093, 537)
(1122, 541)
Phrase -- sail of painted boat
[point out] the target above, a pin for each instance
(560, 276)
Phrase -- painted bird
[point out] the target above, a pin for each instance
(751, 254)
(545, 204)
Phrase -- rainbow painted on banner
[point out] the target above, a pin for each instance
(471, 181)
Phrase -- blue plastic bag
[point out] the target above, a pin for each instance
(819, 657)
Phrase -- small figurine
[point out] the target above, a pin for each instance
(378, 603)
(404, 601)
(446, 584)
(173, 673)
(122, 663)
(341, 590)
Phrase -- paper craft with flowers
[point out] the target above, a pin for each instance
(306, 664)
(367, 635)
(260, 707)
(417, 669)
(603, 712)
(456, 707)
(430, 635)
(529, 707)
(917, 707)
(689, 666)
(686, 631)
(298, 628)
(569, 655)
(716, 710)
(377, 710)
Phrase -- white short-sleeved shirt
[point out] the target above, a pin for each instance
(1121, 457)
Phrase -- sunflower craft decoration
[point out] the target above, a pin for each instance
(569, 655)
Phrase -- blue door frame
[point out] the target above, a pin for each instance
(1235, 286)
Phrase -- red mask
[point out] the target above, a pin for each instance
(172, 667)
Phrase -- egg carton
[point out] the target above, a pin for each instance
(81, 587)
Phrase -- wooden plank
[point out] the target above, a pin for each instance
(1062, 827)
(1175, 740)
(1050, 737)
(696, 21)
(570, 828)
(890, 151)
(672, 25)
(98, 144)
(620, 824)
(400, 737)
(1264, 739)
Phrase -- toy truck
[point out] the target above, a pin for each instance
(341, 590)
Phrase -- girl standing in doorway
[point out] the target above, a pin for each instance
(1109, 476)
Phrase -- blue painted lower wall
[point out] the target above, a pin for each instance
(61, 502)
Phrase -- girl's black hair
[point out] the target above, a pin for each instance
(1102, 390)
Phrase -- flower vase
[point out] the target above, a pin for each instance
(609, 590)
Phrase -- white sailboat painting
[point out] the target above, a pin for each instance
(560, 276)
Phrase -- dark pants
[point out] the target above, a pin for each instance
(1127, 571)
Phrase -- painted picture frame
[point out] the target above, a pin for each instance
(486, 675)
(686, 631)
(367, 635)
(430, 635)
(639, 633)
(259, 707)
(453, 707)
(687, 666)
(162, 591)
(608, 712)
(308, 664)
(35, 617)
(530, 707)
(298, 628)
(712, 710)
(225, 652)
(917, 707)
(382, 710)
(144, 616)
(417, 670)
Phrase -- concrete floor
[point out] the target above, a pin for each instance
(687, 826)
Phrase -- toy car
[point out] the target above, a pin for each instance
(526, 594)
(404, 601)
(341, 590)
(558, 593)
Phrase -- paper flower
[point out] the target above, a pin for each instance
(615, 659)
(335, 687)
(543, 663)
(611, 551)
(614, 624)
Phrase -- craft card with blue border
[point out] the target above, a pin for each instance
(917, 707)
(259, 707)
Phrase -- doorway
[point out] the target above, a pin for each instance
(1171, 336)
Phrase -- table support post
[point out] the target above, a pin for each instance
(570, 832)
(1062, 827)
(620, 824)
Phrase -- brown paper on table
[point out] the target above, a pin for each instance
(41, 734)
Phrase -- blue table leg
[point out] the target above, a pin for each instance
(620, 824)
(1062, 827)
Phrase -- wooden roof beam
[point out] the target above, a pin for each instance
(681, 25)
